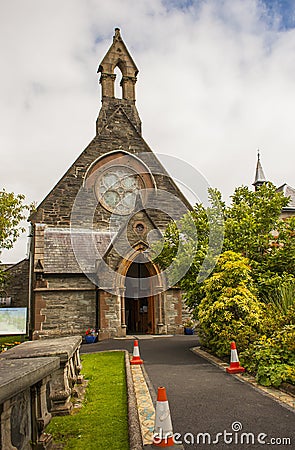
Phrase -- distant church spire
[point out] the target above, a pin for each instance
(260, 178)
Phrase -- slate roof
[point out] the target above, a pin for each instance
(288, 191)
(74, 251)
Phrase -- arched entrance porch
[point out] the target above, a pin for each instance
(141, 292)
(139, 300)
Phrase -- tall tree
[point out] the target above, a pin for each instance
(251, 224)
(191, 246)
(12, 212)
(251, 218)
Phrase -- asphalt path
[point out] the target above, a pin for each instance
(209, 408)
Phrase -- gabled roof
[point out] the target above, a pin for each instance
(139, 209)
(118, 54)
(288, 191)
(8, 266)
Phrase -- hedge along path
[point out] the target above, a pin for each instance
(102, 422)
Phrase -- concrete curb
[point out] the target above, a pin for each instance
(153, 393)
(284, 399)
(134, 431)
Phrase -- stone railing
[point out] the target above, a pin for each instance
(36, 382)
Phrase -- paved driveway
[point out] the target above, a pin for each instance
(204, 399)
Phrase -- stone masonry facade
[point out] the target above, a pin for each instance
(79, 257)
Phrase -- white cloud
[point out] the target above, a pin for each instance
(216, 81)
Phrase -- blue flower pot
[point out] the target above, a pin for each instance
(188, 330)
(89, 339)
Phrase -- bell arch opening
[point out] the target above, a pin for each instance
(118, 89)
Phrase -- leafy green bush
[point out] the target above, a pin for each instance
(280, 308)
(272, 359)
(230, 310)
(271, 285)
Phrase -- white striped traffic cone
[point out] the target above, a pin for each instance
(234, 366)
(163, 432)
(136, 356)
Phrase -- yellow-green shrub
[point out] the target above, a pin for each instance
(272, 359)
(230, 309)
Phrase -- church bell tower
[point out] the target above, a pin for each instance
(119, 57)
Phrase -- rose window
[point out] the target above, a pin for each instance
(117, 189)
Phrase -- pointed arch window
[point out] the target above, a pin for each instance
(118, 90)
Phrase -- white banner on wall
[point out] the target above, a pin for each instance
(13, 321)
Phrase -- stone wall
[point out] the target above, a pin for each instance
(64, 306)
(17, 286)
(173, 306)
(110, 315)
(67, 306)
(119, 133)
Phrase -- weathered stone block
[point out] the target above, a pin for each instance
(64, 377)
(23, 402)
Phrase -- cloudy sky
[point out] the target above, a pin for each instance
(216, 81)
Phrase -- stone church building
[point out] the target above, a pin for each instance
(90, 265)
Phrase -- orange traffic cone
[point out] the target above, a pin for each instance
(136, 356)
(234, 366)
(163, 432)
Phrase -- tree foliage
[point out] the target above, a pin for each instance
(249, 298)
(12, 212)
(252, 228)
(272, 358)
(194, 242)
(250, 219)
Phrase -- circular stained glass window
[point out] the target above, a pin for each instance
(117, 188)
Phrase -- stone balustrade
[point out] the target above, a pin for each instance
(23, 402)
(36, 382)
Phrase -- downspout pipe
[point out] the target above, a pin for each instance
(97, 310)
(30, 256)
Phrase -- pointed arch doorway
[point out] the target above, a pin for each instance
(139, 301)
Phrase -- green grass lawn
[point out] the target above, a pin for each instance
(102, 421)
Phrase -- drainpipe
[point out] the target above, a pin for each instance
(97, 310)
(30, 257)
